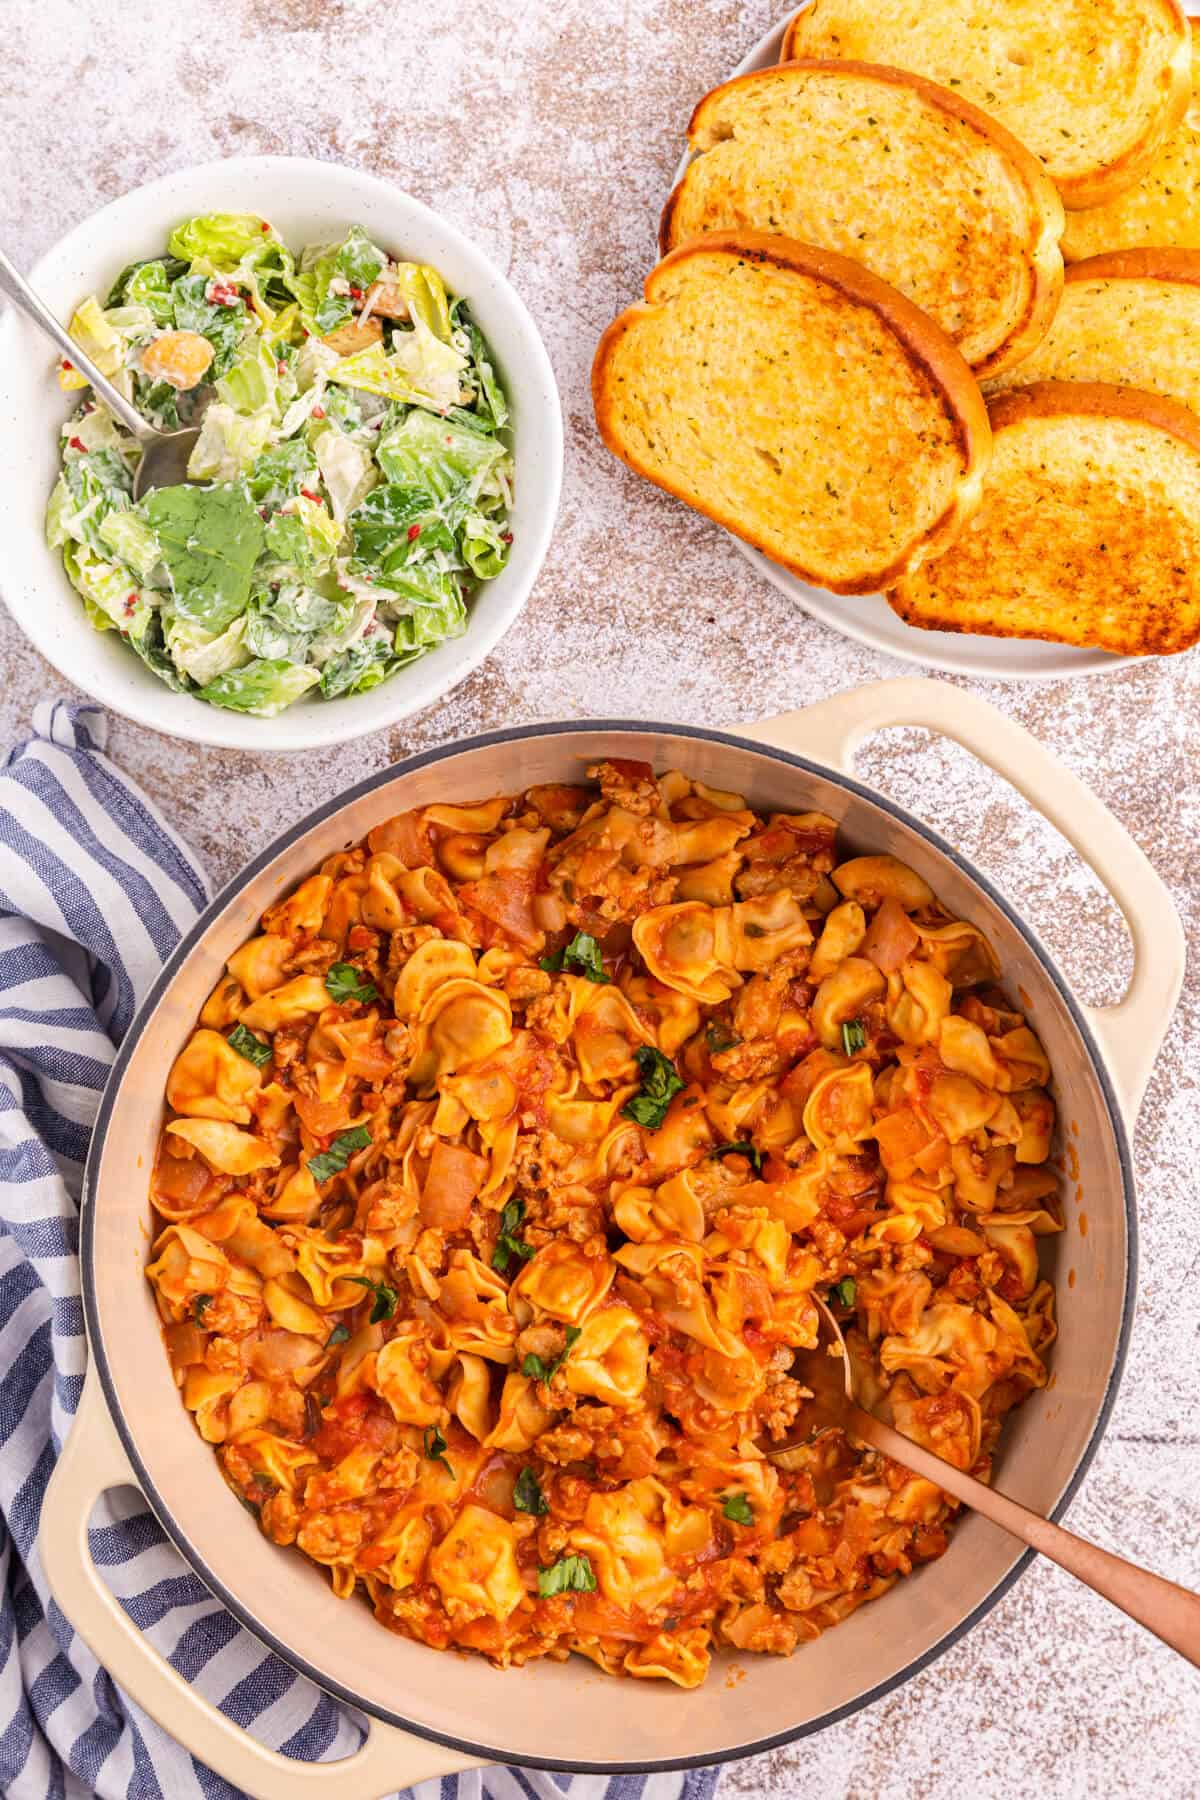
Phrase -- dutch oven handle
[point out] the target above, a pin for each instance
(93, 1461)
(1131, 1032)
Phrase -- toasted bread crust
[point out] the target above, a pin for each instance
(1164, 205)
(1094, 399)
(1105, 181)
(926, 345)
(1164, 264)
(1174, 627)
(1128, 318)
(1044, 258)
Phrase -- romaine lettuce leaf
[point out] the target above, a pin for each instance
(96, 337)
(491, 403)
(158, 402)
(314, 363)
(425, 293)
(97, 481)
(358, 414)
(151, 647)
(346, 468)
(223, 242)
(263, 687)
(98, 430)
(418, 583)
(205, 654)
(110, 589)
(425, 626)
(223, 324)
(355, 263)
(280, 625)
(281, 472)
(210, 539)
(127, 535)
(253, 382)
(304, 537)
(436, 454)
(354, 615)
(229, 442)
(485, 545)
(356, 670)
(145, 281)
(420, 370)
(149, 285)
(60, 511)
(385, 519)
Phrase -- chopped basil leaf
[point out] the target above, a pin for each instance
(344, 982)
(338, 1335)
(569, 1575)
(719, 1036)
(660, 1084)
(527, 1494)
(200, 1306)
(753, 1156)
(333, 1161)
(508, 1244)
(435, 1447)
(854, 1036)
(385, 1296)
(534, 1369)
(737, 1508)
(580, 957)
(845, 1290)
(249, 1046)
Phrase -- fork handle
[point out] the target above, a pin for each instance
(23, 297)
(1169, 1611)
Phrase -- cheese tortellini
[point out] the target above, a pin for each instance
(499, 1179)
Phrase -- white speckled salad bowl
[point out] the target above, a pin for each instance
(307, 202)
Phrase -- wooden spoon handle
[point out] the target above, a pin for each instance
(1169, 1611)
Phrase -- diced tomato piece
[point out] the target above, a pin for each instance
(323, 1117)
(455, 1176)
(891, 937)
(507, 900)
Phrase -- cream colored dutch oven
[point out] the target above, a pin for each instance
(432, 1713)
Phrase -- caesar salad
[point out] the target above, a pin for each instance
(350, 486)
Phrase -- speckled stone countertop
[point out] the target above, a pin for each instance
(549, 134)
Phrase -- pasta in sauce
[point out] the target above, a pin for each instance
(497, 1181)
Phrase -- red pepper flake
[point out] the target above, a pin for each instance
(221, 293)
(356, 293)
(281, 368)
(309, 495)
(130, 603)
(77, 443)
(67, 365)
(414, 531)
(264, 512)
(264, 226)
(318, 412)
(306, 331)
(506, 537)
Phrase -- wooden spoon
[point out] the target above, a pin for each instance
(1169, 1611)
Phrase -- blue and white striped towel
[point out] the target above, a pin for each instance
(95, 890)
